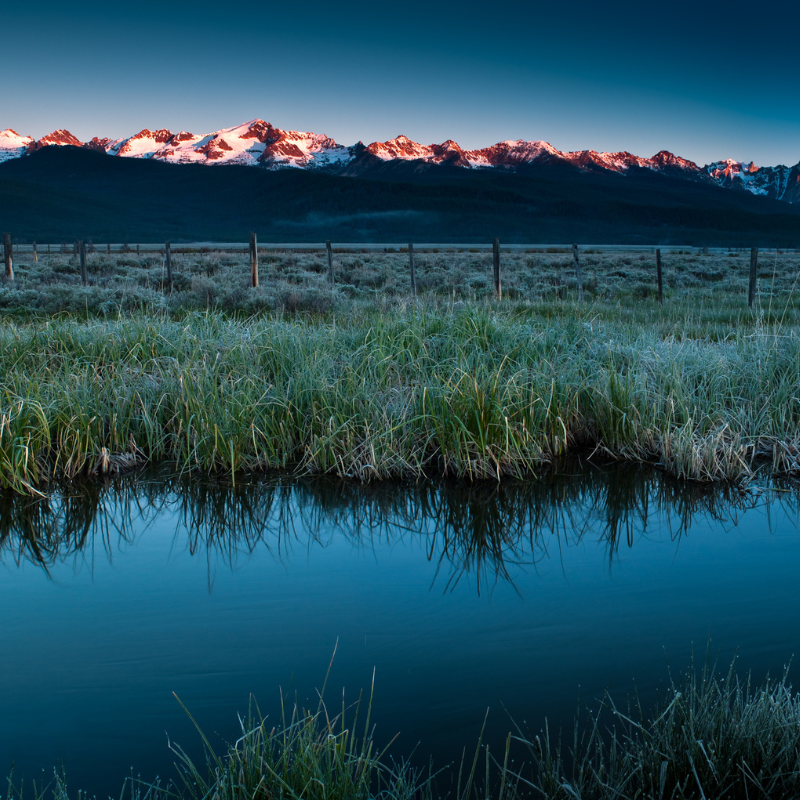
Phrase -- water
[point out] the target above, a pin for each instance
(526, 599)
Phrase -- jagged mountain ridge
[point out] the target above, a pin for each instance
(66, 193)
(259, 143)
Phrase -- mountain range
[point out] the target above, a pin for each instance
(258, 143)
(289, 186)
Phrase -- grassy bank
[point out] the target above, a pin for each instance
(471, 390)
(709, 736)
(361, 381)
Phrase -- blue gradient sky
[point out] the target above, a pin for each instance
(705, 81)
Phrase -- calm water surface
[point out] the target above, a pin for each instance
(522, 598)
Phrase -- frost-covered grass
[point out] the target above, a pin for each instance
(709, 736)
(473, 390)
(362, 381)
(297, 281)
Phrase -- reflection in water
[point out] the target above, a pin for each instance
(474, 531)
(119, 595)
(64, 525)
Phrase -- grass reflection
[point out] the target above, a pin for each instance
(480, 532)
(74, 523)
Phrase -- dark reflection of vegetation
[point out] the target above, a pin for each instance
(69, 523)
(479, 531)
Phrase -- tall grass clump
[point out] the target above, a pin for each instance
(311, 755)
(708, 737)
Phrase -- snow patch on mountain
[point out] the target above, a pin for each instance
(58, 138)
(665, 161)
(144, 144)
(254, 142)
(302, 149)
(767, 181)
(12, 145)
(400, 147)
(240, 144)
(510, 153)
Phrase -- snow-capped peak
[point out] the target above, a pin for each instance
(12, 145)
(59, 138)
(401, 147)
(780, 183)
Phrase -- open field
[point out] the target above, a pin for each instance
(361, 381)
(298, 280)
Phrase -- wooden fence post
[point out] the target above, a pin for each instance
(75, 248)
(7, 256)
(168, 259)
(137, 251)
(253, 260)
(751, 293)
(578, 272)
(35, 254)
(330, 263)
(498, 288)
(413, 271)
(658, 276)
(82, 254)
(108, 249)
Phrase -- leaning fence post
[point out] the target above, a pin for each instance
(253, 260)
(330, 263)
(413, 271)
(7, 256)
(658, 276)
(35, 254)
(498, 289)
(168, 259)
(751, 293)
(82, 253)
(578, 272)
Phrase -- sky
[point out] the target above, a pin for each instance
(706, 81)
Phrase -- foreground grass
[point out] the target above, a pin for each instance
(711, 737)
(472, 390)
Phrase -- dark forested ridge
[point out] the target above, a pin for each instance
(65, 193)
